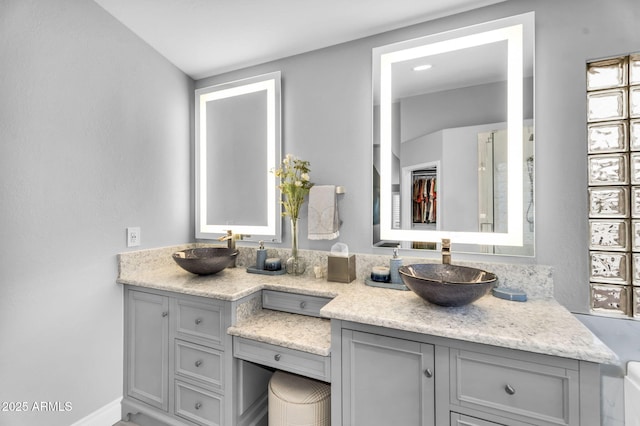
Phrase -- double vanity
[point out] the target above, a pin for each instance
(200, 350)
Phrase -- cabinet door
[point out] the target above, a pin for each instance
(386, 381)
(148, 348)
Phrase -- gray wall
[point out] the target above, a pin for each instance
(327, 119)
(95, 137)
(469, 106)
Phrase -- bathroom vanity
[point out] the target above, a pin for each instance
(201, 350)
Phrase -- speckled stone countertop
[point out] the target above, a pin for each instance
(303, 333)
(540, 325)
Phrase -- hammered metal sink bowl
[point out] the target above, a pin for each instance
(205, 260)
(447, 285)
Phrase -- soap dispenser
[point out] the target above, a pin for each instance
(394, 265)
(261, 256)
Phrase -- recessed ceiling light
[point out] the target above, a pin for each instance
(422, 67)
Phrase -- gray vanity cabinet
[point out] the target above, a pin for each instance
(147, 323)
(386, 381)
(394, 377)
(177, 371)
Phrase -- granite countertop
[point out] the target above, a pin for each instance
(300, 332)
(540, 325)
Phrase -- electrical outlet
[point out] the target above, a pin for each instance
(133, 236)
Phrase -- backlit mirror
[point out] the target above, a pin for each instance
(237, 144)
(453, 147)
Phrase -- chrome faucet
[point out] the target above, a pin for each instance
(446, 251)
(231, 238)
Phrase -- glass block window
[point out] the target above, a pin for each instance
(613, 149)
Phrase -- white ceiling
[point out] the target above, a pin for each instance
(210, 37)
(452, 70)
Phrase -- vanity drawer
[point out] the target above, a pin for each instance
(201, 320)
(293, 302)
(515, 388)
(291, 360)
(197, 405)
(461, 420)
(199, 362)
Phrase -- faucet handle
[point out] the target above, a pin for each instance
(230, 234)
(226, 237)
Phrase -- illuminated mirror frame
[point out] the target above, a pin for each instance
(270, 84)
(510, 30)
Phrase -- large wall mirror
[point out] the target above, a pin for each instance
(453, 146)
(238, 143)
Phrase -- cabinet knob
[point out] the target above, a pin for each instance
(277, 357)
(198, 321)
(428, 373)
(303, 304)
(509, 389)
(198, 363)
(197, 406)
(164, 314)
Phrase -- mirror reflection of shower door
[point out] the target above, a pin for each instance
(493, 186)
(485, 181)
(492, 182)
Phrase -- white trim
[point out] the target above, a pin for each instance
(631, 394)
(105, 416)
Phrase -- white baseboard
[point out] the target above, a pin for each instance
(105, 416)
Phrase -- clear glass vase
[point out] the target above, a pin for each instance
(295, 264)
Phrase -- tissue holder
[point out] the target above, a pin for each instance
(341, 269)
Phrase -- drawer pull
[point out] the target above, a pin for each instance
(277, 357)
(428, 373)
(198, 321)
(164, 314)
(303, 304)
(197, 406)
(509, 389)
(198, 363)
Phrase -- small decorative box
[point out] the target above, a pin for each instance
(341, 269)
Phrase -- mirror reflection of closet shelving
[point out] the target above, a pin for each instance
(424, 212)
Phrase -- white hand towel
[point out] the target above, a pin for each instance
(324, 222)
